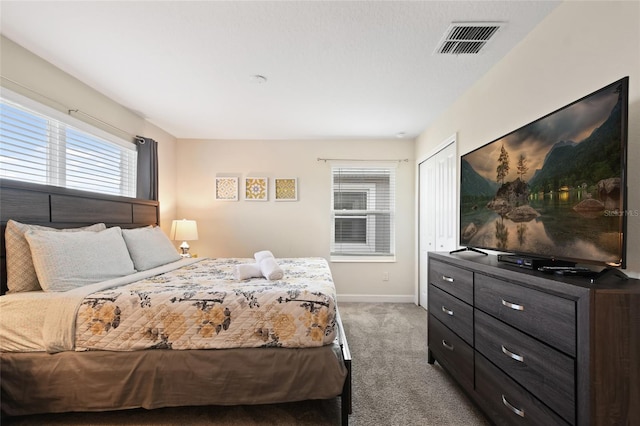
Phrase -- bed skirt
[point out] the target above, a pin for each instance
(102, 380)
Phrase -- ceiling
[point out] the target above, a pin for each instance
(334, 69)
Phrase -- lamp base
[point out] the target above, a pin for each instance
(185, 249)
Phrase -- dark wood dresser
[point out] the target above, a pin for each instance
(536, 349)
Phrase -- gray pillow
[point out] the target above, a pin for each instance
(149, 247)
(67, 260)
(21, 274)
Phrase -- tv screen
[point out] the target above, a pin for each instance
(554, 188)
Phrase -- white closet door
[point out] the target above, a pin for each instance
(426, 224)
(437, 210)
(446, 200)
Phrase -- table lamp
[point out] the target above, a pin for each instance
(185, 230)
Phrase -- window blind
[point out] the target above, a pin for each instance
(363, 212)
(39, 148)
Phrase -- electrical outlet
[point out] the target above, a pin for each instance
(385, 276)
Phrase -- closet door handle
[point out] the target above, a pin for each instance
(512, 355)
(517, 411)
(513, 305)
(447, 279)
(446, 345)
(447, 311)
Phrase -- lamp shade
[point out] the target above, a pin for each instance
(184, 230)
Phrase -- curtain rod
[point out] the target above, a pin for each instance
(69, 111)
(403, 160)
(77, 111)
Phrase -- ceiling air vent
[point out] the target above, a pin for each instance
(467, 37)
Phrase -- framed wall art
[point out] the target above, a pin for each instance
(256, 189)
(227, 188)
(286, 189)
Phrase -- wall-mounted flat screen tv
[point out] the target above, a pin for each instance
(554, 188)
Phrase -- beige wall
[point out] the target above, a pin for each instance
(578, 48)
(47, 84)
(300, 228)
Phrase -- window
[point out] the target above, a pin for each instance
(363, 213)
(41, 145)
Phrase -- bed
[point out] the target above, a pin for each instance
(182, 333)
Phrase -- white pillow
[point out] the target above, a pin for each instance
(67, 260)
(149, 247)
(21, 275)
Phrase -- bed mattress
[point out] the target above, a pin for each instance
(187, 305)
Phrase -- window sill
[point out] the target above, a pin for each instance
(363, 259)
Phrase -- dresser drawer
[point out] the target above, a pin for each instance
(453, 313)
(508, 403)
(549, 318)
(451, 352)
(547, 373)
(453, 280)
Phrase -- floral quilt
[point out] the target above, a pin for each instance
(202, 306)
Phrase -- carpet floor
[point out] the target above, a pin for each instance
(392, 385)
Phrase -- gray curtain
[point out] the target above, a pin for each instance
(147, 180)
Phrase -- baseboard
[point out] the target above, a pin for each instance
(376, 298)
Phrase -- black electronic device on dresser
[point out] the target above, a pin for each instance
(536, 349)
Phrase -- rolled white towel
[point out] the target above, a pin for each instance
(248, 270)
(264, 254)
(270, 269)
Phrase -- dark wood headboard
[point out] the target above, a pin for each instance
(68, 208)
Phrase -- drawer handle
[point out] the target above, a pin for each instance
(512, 305)
(512, 408)
(447, 311)
(447, 279)
(510, 354)
(446, 345)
